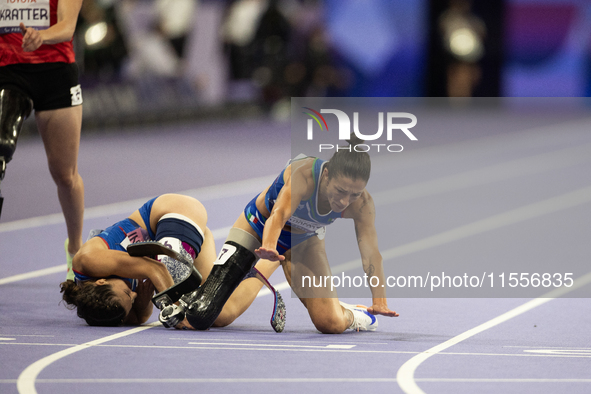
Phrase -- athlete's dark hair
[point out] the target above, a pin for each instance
(98, 305)
(346, 161)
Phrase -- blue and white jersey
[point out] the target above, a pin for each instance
(306, 217)
(121, 234)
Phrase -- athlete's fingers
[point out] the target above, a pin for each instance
(31, 38)
(378, 310)
(269, 254)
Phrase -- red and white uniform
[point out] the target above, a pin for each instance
(39, 14)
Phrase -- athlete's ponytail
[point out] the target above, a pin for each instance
(348, 162)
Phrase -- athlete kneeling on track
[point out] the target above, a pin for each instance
(289, 217)
(109, 286)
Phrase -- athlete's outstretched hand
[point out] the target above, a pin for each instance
(379, 309)
(31, 38)
(268, 254)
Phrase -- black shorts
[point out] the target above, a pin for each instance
(49, 85)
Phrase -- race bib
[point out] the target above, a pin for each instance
(137, 235)
(33, 13)
(226, 252)
(304, 225)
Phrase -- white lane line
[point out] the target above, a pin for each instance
(219, 380)
(204, 194)
(270, 348)
(30, 335)
(541, 139)
(26, 381)
(273, 345)
(564, 348)
(481, 176)
(501, 380)
(570, 352)
(329, 348)
(514, 216)
(303, 380)
(405, 374)
(306, 342)
(34, 274)
(550, 347)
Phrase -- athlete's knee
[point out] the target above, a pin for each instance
(15, 107)
(227, 316)
(65, 177)
(327, 321)
(328, 325)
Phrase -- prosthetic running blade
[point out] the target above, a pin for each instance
(279, 311)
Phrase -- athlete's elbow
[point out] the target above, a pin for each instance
(81, 259)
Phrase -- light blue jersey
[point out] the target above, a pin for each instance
(305, 218)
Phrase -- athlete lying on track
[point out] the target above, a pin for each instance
(112, 279)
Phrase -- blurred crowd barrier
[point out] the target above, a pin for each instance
(158, 60)
(161, 59)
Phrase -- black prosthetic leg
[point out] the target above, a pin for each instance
(205, 304)
(15, 107)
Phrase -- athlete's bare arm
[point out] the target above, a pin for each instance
(363, 212)
(96, 260)
(297, 181)
(63, 30)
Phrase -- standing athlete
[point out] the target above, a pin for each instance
(37, 71)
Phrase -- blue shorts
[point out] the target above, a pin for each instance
(146, 211)
(287, 239)
(115, 234)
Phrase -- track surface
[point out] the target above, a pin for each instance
(527, 181)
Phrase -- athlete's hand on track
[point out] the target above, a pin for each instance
(31, 38)
(268, 254)
(381, 310)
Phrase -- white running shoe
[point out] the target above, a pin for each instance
(362, 319)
